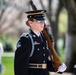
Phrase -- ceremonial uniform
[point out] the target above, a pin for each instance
(40, 56)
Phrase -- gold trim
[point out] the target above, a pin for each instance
(44, 66)
(42, 12)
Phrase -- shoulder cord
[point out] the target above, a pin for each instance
(32, 50)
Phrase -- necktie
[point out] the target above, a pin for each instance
(40, 38)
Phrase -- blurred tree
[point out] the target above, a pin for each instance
(53, 8)
(11, 16)
(70, 5)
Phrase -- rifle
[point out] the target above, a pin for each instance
(57, 61)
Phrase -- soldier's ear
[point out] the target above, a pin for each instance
(27, 23)
(30, 22)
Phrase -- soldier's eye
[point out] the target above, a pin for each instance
(40, 21)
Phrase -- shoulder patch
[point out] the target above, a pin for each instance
(18, 45)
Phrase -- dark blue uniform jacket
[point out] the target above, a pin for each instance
(40, 55)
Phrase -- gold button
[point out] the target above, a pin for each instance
(44, 54)
(38, 49)
(43, 47)
(44, 61)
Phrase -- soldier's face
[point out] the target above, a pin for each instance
(37, 25)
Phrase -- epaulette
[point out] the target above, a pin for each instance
(25, 35)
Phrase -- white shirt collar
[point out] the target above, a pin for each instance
(38, 34)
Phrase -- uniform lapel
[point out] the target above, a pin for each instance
(36, 39)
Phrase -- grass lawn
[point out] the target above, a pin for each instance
(8, 62)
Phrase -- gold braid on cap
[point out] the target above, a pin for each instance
(42, 12)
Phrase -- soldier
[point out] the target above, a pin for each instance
(32, 55)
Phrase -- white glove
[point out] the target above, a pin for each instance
(62, 68)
